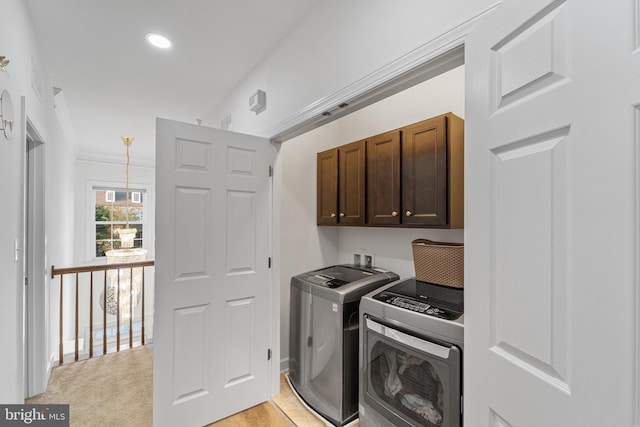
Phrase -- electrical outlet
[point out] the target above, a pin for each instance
(357, 259)
(368, 260)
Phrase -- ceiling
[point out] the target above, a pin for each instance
(115, 84)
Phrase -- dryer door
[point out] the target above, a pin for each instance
(410, 379)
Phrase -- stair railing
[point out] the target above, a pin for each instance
(97, 268)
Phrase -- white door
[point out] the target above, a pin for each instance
(212, 315)
(551, 223)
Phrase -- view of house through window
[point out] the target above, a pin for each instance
(111, 215)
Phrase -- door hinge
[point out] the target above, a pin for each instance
(26, 281)
(270, 171)
(269, 262)
(269, 354)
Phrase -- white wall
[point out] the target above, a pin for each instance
(20, 47)
(338, 44)
(59, 223)
(305, 246)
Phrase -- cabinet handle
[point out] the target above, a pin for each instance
(333, 215)
(408, 213)
(341, 214)
(394, 213)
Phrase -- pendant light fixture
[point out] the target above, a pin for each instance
(124, 284)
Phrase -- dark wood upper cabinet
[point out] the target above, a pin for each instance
(411, 177)
(327, 206)
(432, 172)
(383, 179)
(351, 183)
(341, 181)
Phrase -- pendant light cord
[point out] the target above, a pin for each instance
(127, 186)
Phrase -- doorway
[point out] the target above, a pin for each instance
(36, 291)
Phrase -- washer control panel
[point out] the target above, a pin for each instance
(412, 304)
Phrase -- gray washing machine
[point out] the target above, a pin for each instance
(323, 344)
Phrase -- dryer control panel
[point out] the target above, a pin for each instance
(416, 305)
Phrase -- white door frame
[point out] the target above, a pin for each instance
(36, 293)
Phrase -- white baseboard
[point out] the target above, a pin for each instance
(284, 364)
(51, 364)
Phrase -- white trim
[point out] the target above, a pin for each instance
(274, 284)
(112, 159)
(89, 217)
(432, 58)
(60, 107)
(636, 271)
(284, 364)
(35, 260)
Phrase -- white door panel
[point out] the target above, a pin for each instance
(213, 324)
(551, 256)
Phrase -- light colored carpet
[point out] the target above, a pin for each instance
(117, 389)
(111, 390)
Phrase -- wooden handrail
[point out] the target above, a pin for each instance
(101, 267)
(90, 269)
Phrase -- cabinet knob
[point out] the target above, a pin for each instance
(408, 213)
(341, 214)
(333, 215)
(394, 213)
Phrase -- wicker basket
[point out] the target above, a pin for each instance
(439, 262)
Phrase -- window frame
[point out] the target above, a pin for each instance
(148, 219)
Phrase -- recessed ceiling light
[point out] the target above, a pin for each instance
(159, 41)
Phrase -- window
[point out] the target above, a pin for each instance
(111, 215)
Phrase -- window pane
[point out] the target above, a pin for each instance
(103, 213)
(119, 213)
(103, 232)
(102, 246)
(135, 214)
(121, 198)
(139, 228)
(118, 227)
(110, 208)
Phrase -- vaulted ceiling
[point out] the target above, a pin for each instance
(114, 83)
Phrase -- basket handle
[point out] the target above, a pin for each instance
(425, 242)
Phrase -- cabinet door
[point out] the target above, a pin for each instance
(383, 179)
(424, 172)
(351, 182)
(327, 206)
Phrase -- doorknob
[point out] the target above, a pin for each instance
(408, 213)
(333, 215)
(394, 213)
(341, 214)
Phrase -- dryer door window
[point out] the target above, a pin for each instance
(411, 380)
